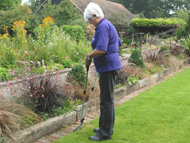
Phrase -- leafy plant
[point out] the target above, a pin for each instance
(176, 49)
(184, 30)
(118, 86)
(164, 50)
(43, 92)
(186, 42)
(44, 115)
(3, 73)
(67, 63)
(2, 140)
(77, 74)
(137, 58)
(132, 80)
(76, 32)
(123, 74)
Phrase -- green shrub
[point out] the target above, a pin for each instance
(137, 58)
(3, 73)
(67, 63)
(145, 22)
(165, 50)
(186, 42)
(77, 73)
(76, 32)
(184, 30)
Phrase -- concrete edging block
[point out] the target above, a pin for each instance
(33, 133)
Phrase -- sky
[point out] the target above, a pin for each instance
(24, 1)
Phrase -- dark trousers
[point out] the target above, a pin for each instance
(107, 109)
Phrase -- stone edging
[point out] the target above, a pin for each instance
(33, 133)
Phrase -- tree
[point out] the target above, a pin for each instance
(7, 4)
(154, 8)
(67, 13)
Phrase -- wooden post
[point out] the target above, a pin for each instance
(132, 38)
(141, 39)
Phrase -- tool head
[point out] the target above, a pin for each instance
(77, 128)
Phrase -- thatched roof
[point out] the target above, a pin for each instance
(114, 12)
(109, 8)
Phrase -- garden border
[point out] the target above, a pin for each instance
(33, 133)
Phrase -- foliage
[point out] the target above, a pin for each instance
(76, 32)
(132, 80)
(176, 49)
(44, 115)
(165, 50)
(23, 13)
(7, 4)
(67, 63)
(40, 70)
(119, 85)
(3, 73)
(182, 14)
(12, 117)
(137, 58)
(124, 73)
(156, 57)
(186, 43)
(185, 30)
(50, 44)
(158, 8)
(145, 22)
(77, 74)
(61, 110)
(43, 93)
(54, 67)
(67, 13)
(2, 140)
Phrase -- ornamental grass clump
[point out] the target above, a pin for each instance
(14, 117)
(45, 92)
(156, 57)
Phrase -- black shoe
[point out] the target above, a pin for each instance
(97, 138)
(96, 130)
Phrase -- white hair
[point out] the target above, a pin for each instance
(91, 10)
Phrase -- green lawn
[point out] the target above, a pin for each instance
(159, 115)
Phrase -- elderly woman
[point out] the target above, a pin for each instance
(105, 54)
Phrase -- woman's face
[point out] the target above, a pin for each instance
(93, 21)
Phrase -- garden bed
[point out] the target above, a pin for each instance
(37, 131)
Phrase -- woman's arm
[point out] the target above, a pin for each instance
(95, 53)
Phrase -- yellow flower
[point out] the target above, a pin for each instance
(5, 35)
(18, 25)
(48, 20)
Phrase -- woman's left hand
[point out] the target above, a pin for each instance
(88, 61)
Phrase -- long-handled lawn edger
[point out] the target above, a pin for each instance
(83, 114)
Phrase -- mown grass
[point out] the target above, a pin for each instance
(159, 115)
